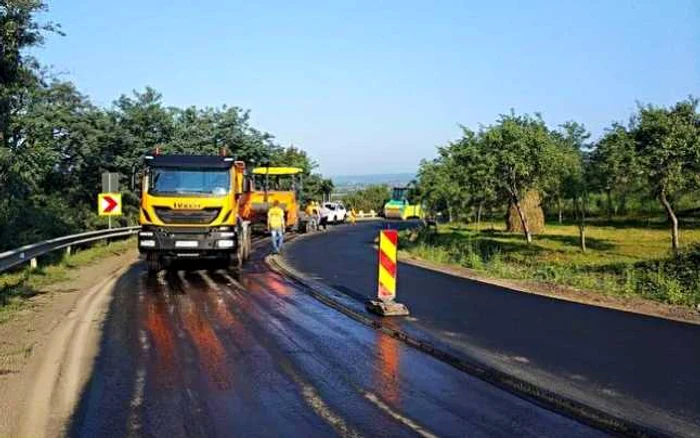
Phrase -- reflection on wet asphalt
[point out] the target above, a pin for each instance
(210, 353)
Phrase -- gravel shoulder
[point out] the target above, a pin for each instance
(49, 343)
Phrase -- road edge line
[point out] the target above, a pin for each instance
(538, 395)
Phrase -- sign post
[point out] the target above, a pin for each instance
(110, 186)
(386, 284)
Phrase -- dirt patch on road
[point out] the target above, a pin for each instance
(595, 298)
(35, 341)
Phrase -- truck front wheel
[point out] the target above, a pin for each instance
(154, 262)
(238, 257)
(248, 244)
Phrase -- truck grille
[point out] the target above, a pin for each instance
(170, 216)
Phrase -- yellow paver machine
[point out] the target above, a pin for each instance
(267, 185)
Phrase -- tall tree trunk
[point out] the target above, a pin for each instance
(523, 220)
(478, 216)
(675, 240)
(610, 204)
(581, 213)
(561, 215)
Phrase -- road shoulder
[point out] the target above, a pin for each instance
(30, 338)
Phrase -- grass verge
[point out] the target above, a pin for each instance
(621, 260)
(17, 287)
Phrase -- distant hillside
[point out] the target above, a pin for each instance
(391, 179)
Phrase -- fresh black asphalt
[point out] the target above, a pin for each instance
(642, 368)
(202, 352)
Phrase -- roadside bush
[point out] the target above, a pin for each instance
(675, 280)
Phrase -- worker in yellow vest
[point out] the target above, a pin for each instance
(275, 225)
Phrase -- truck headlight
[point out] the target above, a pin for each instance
(146, 233)
(224, 243)
(227, 234)
(148, 243)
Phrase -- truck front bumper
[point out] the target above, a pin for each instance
(188, 242)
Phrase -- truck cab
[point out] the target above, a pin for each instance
(189, 209)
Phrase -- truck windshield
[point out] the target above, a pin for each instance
(201, 182)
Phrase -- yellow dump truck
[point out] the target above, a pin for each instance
(189, 209)
(270, 184)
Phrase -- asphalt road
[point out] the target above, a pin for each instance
(208, 353)
(642, 368)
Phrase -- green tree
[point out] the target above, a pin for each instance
(473, 171)
(292, 156)
(372, 197)
(570, 147)
(19, 30)
(524, 158)
(667, 142)
(573, 174)
(437, 186)
(614, 164)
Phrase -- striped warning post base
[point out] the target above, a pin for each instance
(386, 288)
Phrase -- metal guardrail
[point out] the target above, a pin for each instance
(370, 214)
(30, 253)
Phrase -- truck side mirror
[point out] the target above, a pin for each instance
(239, 177)
(136, 180)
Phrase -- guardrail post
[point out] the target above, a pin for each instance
(67, 251)
(33, 264)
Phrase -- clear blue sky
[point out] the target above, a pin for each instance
(373, 87)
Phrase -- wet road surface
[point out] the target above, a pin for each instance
(208, 353)
(633, 366)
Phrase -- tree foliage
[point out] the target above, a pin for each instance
(56, 143)
(667, 145)
(656, 156)
(369, 198)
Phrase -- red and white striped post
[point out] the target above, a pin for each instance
(386, 284)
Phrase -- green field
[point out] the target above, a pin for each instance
(623, 258)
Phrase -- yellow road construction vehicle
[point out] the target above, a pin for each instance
(189, 209)
(400, 207)
(269, 184)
